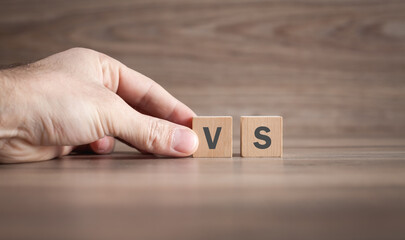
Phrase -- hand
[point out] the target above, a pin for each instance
(81, 97)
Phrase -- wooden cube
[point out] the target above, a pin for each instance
(261, 136)
(214, 135)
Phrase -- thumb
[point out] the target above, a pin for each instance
(148, 133)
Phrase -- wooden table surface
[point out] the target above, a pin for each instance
(320, 189)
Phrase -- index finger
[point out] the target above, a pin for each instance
(144, 94)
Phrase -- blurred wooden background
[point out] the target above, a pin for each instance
(330, 67)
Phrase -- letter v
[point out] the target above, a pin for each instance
(212, 144)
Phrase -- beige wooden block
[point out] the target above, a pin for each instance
(215, 136)
(261, 136)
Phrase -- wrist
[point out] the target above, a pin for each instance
(8, 117)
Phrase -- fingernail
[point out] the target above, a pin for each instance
(184, 141)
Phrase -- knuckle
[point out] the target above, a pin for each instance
(80, 51)
(157, 136)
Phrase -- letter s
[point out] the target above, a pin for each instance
(260, 136)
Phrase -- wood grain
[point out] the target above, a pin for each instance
(219, 135)
(330, 67)
(334, 69)
(351, 189)
(273, 136)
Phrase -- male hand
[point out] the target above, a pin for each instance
(79, 97)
